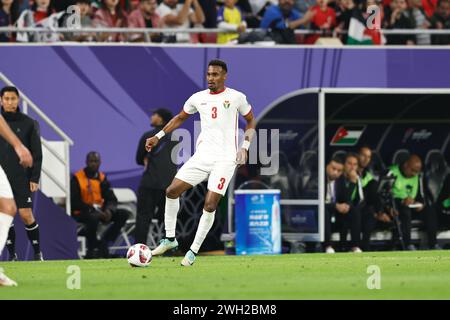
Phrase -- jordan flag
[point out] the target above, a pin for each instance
(347, 136)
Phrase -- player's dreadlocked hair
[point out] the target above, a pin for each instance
(218, 63)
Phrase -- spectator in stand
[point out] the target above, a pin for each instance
(93, 201)
(429, 6)
(279, 16)
(209, 8)
(180, 16)
(134, 4)
(346, 11)
(40, 15)
(282, 19)
(62, 5)
(9, 13)
(441, 20)
(304, 5)
(251, 18)
(41, 9)
(145, 16)
(322, 18)
(110, 15)
(230, 18)
(24, 5)
(399, 19)
(85, 21)
(420, 21)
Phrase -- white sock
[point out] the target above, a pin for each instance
(170, 216)
(205, 224)
(5, 222)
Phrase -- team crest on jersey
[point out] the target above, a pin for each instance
(226, 104)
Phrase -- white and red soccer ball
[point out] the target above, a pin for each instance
(139, 255)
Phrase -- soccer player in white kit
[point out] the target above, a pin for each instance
(216, 157)
(7, 204)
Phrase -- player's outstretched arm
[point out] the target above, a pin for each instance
(242, 155)
(23, 153)
(173, 124)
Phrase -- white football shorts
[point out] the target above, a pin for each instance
(199, 168)
(5, 187)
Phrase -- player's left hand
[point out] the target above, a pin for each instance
(25, 158)
(34, 186)
(241, 157)
(150, 143)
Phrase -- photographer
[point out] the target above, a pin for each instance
(410, 202)
(93, 201)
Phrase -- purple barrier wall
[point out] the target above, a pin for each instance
(101, 95)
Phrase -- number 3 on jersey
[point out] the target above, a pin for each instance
(222, 182)
(214, 113)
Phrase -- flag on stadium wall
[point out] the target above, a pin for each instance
(358, 33)
(347, 135)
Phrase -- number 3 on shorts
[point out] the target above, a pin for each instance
(222, 182)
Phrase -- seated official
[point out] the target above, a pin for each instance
(333, 172)
(93, 201)
(443, 204)
(410, 200)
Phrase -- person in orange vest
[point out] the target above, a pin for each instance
(93, 201)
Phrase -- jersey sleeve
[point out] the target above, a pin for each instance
(244, 107)
(190, 107)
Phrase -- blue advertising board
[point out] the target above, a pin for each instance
(258, 222)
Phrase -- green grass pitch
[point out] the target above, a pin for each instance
(404, 275)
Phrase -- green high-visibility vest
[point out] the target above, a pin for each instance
(366, 179)
(446, 203)
(404, 187)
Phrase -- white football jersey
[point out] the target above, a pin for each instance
(219, 113)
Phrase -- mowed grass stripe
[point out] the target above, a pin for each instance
(404, 275)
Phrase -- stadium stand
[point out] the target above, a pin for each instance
(342, 21)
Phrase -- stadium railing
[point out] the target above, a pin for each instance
(148, 31)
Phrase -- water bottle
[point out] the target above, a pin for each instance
(276, 226)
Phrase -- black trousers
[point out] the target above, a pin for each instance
(427, 216)
(91, 220)
(443, 215)
(329, 212)
(351, 220)
(148, 200)
(369, 223)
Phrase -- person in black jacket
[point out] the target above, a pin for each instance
(350, 197)
(23, 181)
(93, 201)
(333, 172)
(158, 174)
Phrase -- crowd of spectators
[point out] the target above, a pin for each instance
(330, 18)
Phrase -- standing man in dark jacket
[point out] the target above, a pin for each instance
(93, 201)
(24, 181)
(158, 174)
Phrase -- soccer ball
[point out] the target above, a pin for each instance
(139, 255)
